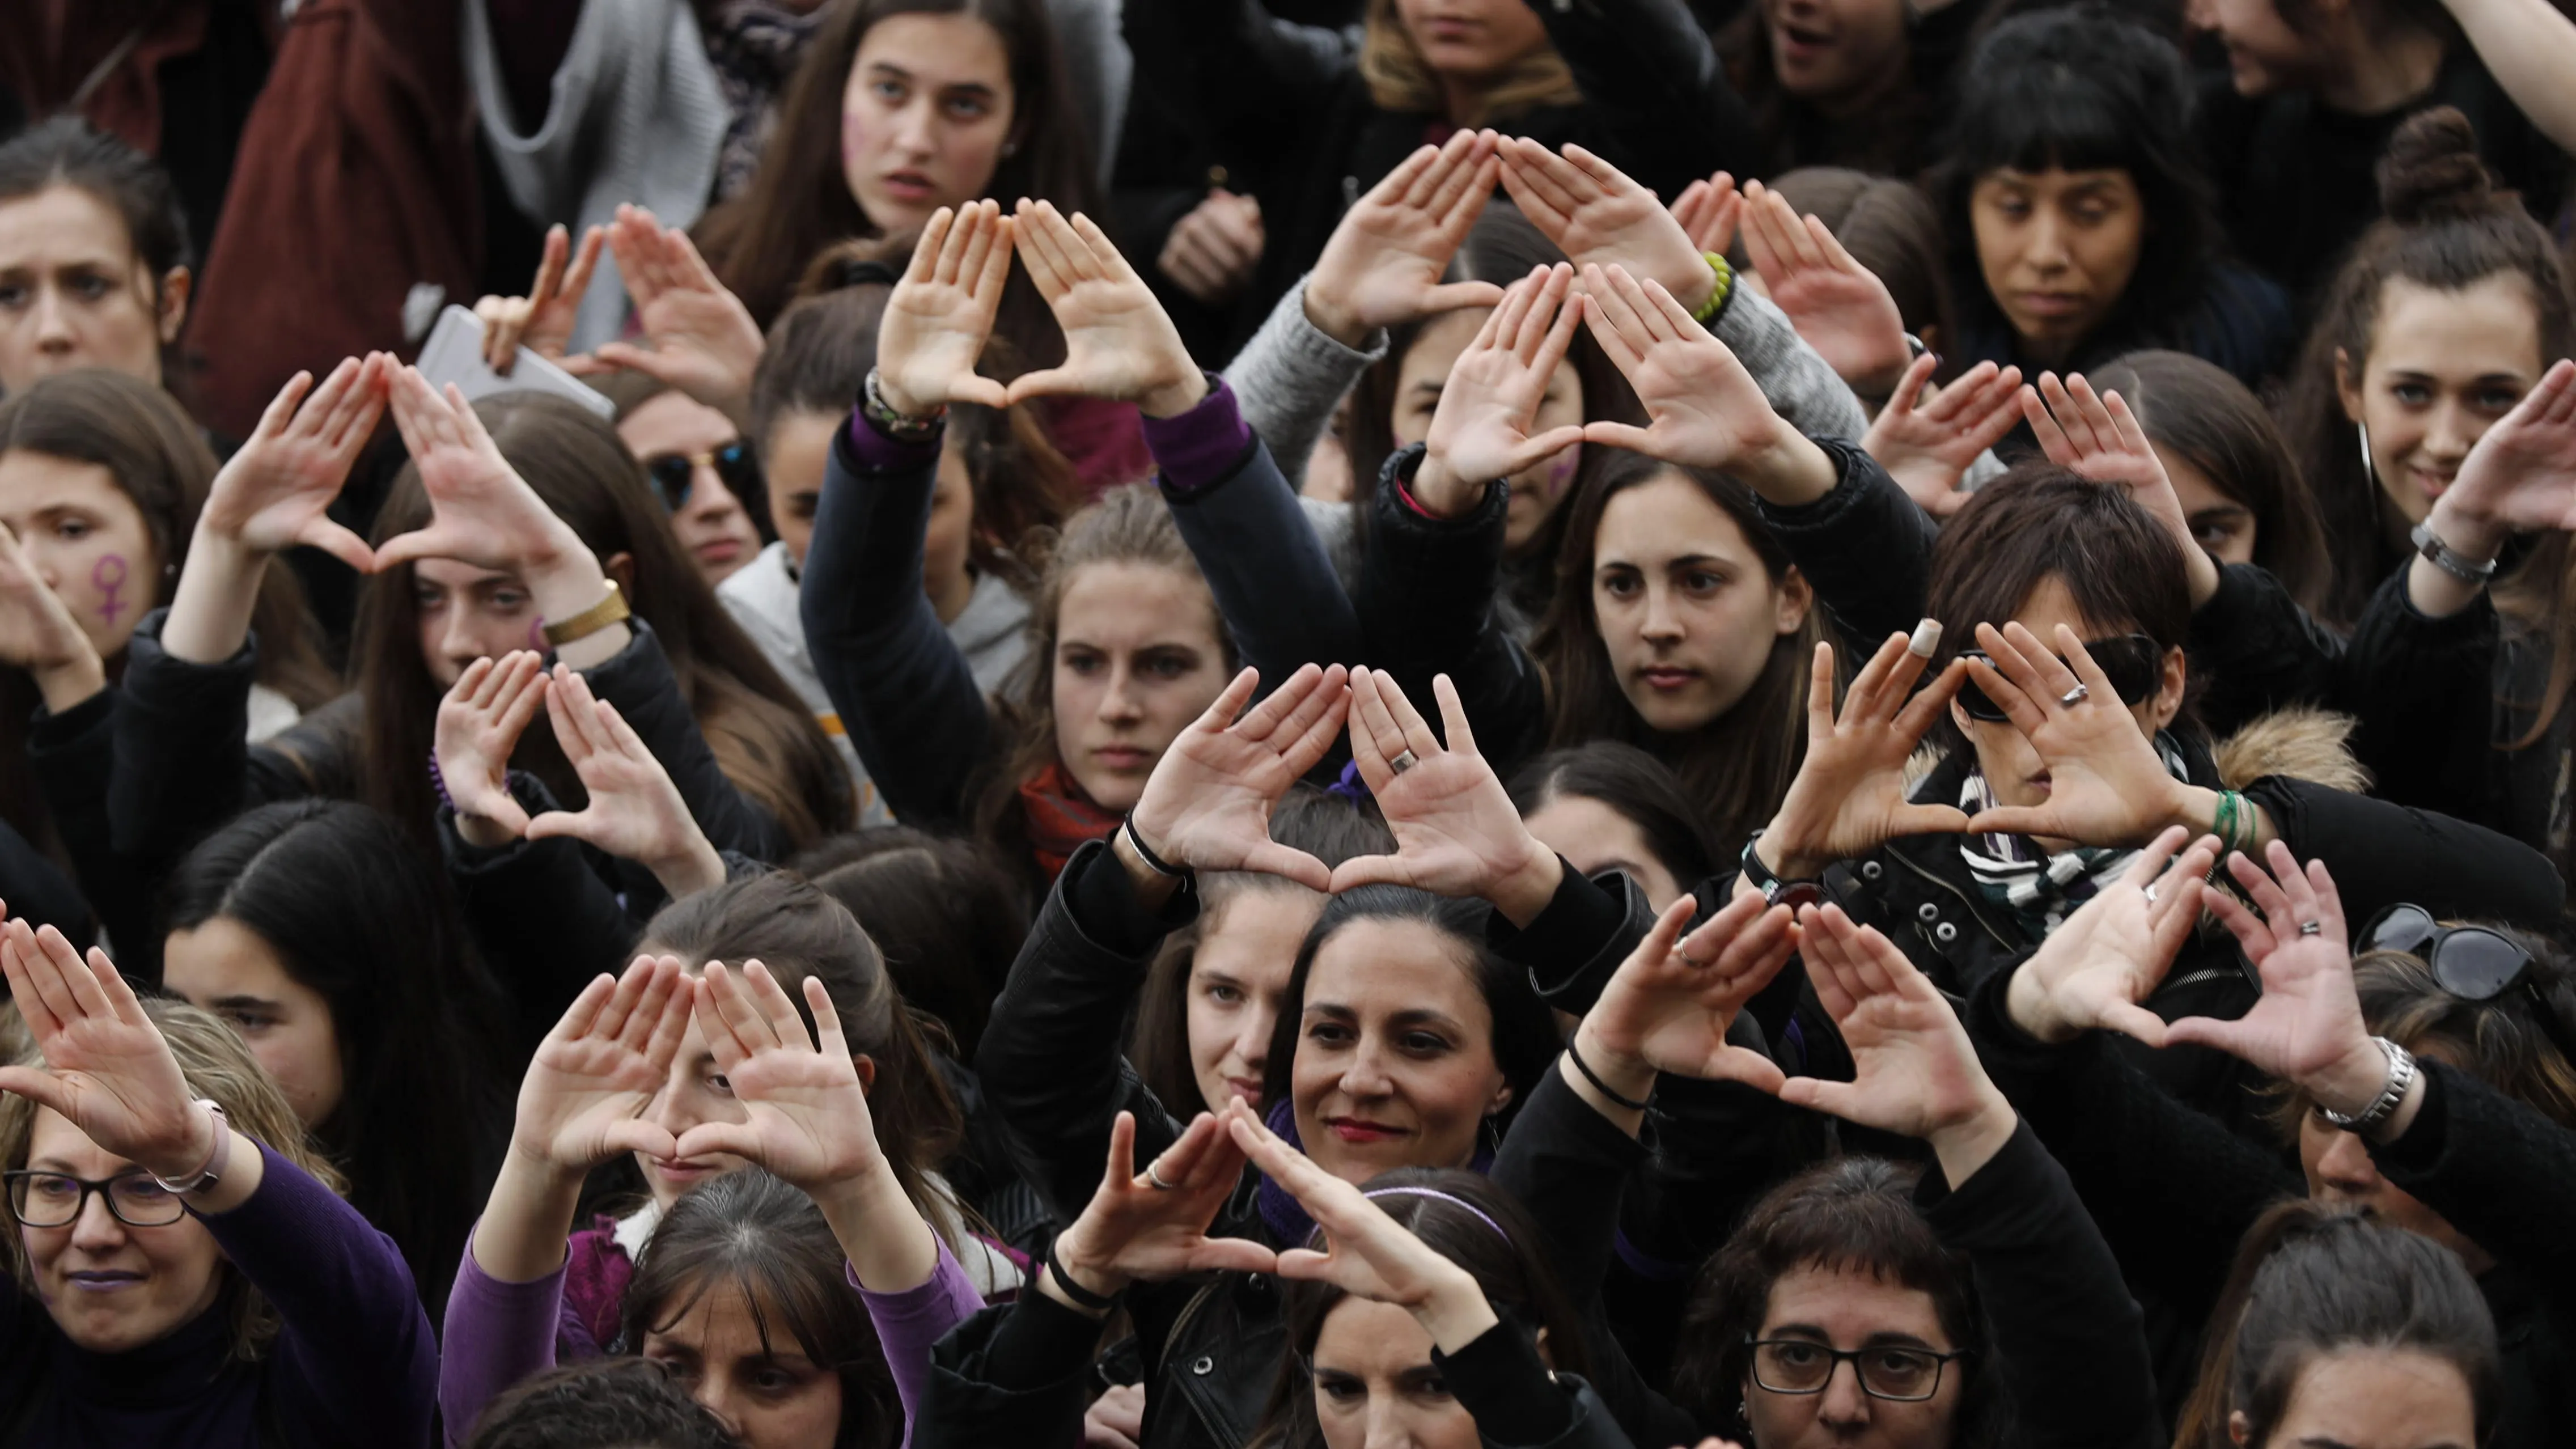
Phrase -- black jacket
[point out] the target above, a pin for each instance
(2174, 1194)
(1288, 115)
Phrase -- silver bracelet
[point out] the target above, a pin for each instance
(2401, 1075)
(2448, 559)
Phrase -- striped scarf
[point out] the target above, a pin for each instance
(2039, 889)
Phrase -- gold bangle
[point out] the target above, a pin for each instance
(610, 610)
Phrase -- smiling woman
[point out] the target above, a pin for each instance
(2079, 218)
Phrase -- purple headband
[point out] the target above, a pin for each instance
(1453, 1201)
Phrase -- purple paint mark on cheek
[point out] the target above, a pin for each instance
(108, 577)
(537, 633)
(1560, 473)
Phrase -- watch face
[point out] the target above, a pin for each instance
(1795, 894)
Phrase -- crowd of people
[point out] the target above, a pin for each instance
(1288, 724)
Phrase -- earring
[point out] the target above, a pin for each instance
(2369, 470)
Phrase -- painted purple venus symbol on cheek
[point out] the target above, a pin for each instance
(108, 577)
(537, 633)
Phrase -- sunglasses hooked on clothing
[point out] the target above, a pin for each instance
(673, 475)
(2134, 663)
(2473, 963)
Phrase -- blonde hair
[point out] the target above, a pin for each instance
(1399, 79)
(214, 1063)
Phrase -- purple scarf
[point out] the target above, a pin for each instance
(1283, 1214)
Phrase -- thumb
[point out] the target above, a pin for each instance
(1272, 858)
(2015, 820)
(1362, 870)
(1451, 296)
(40, 1087)
(1928, 820)
(634, 1134)
(654, 365)
(2230, 1037)
(1743, 1064)
(739, 1139)
(559, 823)
(340, 543)
(1832, 1098)
(2136, 1021)
(1046, 382)
(977, 388)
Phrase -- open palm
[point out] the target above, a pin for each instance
(37, 631)
(479, 724)
(2309, 1016)
(702, 339)
(1671, 1002)
(1134, 1229)
(1456, 833)
(105, 1066)
(1913, 1070)
(1849, 795)
(1480, 431)
(1838, 306)
(1209, 800)
(1366, 1253)
(1599, 216)
(276, 491)
(2106, 784)
(481, 511)
(583, 1099)
(2522, 471)
(634, 810)
(1704, 409)
(805, 1114)
(1118, 342)
(1383, 265)
(2096, 970)
(1928, 446)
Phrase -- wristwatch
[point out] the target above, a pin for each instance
(1775, 891)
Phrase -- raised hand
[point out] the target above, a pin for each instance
(1383, 263)
(1481, 429)
(1927, 446)
(939, 315)
(2096, 435)
(1669, 1004)
(1849, 795)
(2307, 1029)
(700, 337)
(1708, 212)
(2521, 474)
(38, 633)
(1207, 805)
(805, 1114)
(1839, 306)
(634, 810)
(582, 1102)
(2096, 971)
(481, 510)
(479, 724)
(275, 491)
(1366, 1253)
(1456, 833)
(1704, 410)
(1153, 1224)
(106, 1069)
(1118, 341)
(2105, 784)
(1914, 1071)
(541, 321)
(1599, 217)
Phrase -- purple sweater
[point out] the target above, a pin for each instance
(499, 1333)
(353, 1362)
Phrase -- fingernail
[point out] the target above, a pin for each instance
(1927, 638)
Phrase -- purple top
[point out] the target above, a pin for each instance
(353, 1363)
(499, 1333)
(1193, 449)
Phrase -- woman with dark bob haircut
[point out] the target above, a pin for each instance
(2079, 215)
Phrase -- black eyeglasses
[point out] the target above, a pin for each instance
(2134, 663)
(56, 1199)
(2473, 963)
(674, 474)
(1804, 1366)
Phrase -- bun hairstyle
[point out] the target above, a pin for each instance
(2448, 227)
(2311, 1280)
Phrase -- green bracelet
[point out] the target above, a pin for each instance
(1715, 307)
(2231, 824)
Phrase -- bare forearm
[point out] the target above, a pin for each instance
(889, 1245)
(526, 1220)
(2530, 49)
(218, 590)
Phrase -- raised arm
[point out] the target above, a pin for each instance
(2529, 46)
(1654, 92)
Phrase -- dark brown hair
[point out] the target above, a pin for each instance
(2310, 1280)
(2448, 228)
(1324, 825)
(1639, 789)
(1889, 227)
(751, 1232)
(67, 151)
(2200, 411)
(800, 203)
(1735, 768)
(1851, 1215)
(630, 1403)
(2500, 1041)
(1510, 1266)
(797, 930)
(157, 458)
(945, 914)
(763, 736)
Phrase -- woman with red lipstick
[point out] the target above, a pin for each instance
(2078, 211)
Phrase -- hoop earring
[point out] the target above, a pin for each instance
(2369, 469)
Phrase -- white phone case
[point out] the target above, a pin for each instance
(454, 353)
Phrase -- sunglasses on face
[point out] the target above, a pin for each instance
(2472, 963)
(673, 475)
(2134, 663)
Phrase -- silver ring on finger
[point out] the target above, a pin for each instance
(2077, 695)
(2312, 928)
(1403, 762)
(1154, 1176)
(2151, 892)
